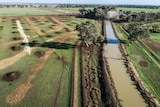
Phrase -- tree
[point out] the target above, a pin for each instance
(137, 31)
(88, 33)
(83, 11)
(101, 12)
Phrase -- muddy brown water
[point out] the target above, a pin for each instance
(127, 92)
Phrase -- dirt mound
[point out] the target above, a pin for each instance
(27, 29)
(58, 32)
(11, 76)
(15, 48)
(48, 36)
(14, 27)
(1, 27)
(14, 32)
(17, 38)
(143, 64)
(39, 53)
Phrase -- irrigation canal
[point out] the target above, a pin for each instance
(127, 92)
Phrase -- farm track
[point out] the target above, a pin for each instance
(62, 24)
(9, 43)
(36, 29)
(75, 84)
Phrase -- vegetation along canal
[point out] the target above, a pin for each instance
(127, 92)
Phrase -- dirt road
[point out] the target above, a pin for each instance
(75, 80)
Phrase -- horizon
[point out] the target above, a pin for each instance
(9, 3)
(95, 2)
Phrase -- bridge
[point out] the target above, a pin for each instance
(112, 41)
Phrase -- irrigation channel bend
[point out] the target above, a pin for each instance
(127, 92)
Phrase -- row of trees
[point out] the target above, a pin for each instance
(98, 13)
(88, 33)
(137, 31)
(129, 16)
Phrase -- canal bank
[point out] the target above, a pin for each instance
(127, 92)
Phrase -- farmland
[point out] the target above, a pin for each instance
(43, 63)
(40, 59)
(46, 72)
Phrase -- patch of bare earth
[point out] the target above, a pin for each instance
(153, 45)
(67, 11)
(143, 64)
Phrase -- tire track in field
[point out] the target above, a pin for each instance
(32, 25)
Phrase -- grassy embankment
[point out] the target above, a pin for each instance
(138, 53)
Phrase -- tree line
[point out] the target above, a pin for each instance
(128, 16)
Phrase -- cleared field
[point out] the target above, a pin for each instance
(138, 9)
(146, 64)
(42, 79)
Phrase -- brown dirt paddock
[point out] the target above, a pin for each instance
(153, 45)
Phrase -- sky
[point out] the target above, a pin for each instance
(133, 2)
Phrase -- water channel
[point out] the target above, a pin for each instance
(127, 92)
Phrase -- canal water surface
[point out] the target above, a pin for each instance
(127, 92)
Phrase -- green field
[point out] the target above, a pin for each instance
(23, 11)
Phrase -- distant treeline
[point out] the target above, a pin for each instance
(99, 5)
(139, 6)
(48, 5)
